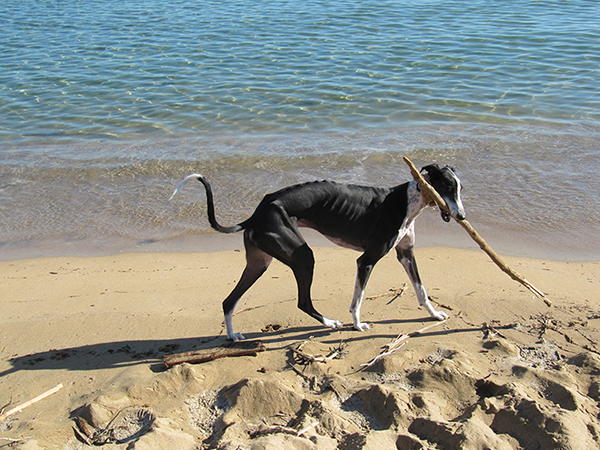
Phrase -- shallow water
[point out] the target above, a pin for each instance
(105, 106)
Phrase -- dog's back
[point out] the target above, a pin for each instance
(334, 209)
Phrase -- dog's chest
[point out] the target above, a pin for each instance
(342, 243)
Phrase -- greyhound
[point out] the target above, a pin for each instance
(371, 220)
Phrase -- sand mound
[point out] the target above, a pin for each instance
(442, 401)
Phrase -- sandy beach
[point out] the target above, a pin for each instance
(503, 372)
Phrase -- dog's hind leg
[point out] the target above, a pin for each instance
(406, 256)
(279, 237)
(302, 265)
(257, 263)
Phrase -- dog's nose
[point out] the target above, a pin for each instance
(456, 209)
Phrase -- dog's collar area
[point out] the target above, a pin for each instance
(427, 199)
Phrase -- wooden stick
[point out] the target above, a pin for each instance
(22, 406)
(284, 430)
(395, 292)
(334, 353)
(404, 337)
(426, 187)
(397, 344)
(381, 355)
(210, 354)
(12, 441)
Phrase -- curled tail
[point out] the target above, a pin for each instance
(210, 204)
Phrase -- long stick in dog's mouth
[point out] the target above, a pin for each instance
(426, 187)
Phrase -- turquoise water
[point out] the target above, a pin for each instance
(105, 105)
(123, 69)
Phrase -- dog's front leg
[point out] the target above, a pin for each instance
(362, 276)
(406, 257)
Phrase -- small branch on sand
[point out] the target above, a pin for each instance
(22, 406)
(334, 353)
(398, 343)
(127, 424)
(381, 355)
(11, 442)
(426, 187)
(210, 354)
(490, 332)
(285, 430)
(395, 292)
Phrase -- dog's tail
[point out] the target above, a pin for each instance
(210, 204)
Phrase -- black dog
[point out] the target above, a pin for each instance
(368, 219)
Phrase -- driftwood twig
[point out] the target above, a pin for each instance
(334, 353)
(12, 441)
(127, 424)
(22, 406)
(398, 343)
(381, 355)
(426, 187)
(210, 354)
(395, 292)
(284, 430)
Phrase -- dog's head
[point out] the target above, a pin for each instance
(445, 181)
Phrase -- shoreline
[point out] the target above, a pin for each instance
(429, 234)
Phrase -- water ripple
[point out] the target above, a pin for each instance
(122, 69)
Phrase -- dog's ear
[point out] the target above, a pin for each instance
(429, 171)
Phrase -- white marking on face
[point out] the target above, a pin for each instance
(456, 206)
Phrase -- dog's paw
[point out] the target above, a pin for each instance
(331, 323)
(439, 315)
(361, 326)
(236, 337)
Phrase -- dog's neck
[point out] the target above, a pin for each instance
(417, 201)
(426, 198)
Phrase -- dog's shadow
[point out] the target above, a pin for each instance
(151, 352)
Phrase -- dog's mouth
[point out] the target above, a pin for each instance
(445, 215)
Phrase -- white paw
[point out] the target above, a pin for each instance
(236, 337)
(439, 315)
(330, 323)
(361, 326)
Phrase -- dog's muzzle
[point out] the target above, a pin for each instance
(455, 211)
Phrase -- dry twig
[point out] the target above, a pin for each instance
(334, 353)
(381, 355)
(490, 332)
(22, 406)
(122, 428)
(285, 430)
(395, 292)
(398, 343)
(12, 441)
